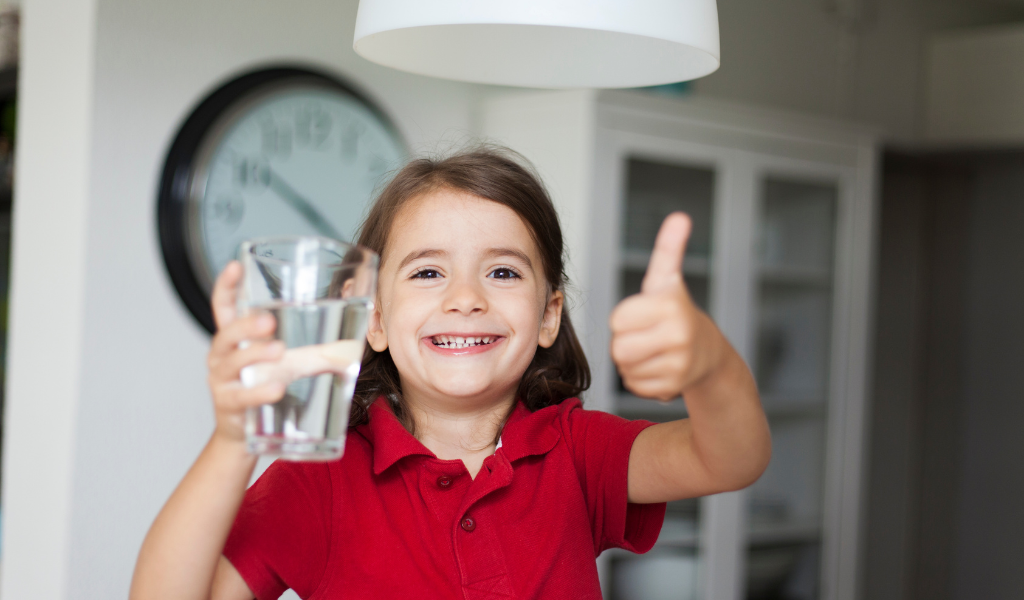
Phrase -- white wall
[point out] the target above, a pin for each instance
(107, 398)
(976, 86)
(868, 67)
(47, 316)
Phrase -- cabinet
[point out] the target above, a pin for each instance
(780, 256)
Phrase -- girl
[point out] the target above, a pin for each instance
(471, 470)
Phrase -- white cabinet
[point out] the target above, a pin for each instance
(780, 256)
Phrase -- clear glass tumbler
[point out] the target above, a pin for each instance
(321, 293)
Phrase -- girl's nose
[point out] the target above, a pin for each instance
(464, 295)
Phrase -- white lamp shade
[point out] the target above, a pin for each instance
(543, 43)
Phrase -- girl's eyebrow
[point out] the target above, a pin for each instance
(428, 253)
(490, 253)
(498, 252)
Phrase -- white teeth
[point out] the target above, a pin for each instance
(454, 341)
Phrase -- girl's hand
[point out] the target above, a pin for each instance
(226, 359)
(662, 343)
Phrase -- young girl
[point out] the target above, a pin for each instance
(471, 469)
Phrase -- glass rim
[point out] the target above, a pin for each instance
(249, 244)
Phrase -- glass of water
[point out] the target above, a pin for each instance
(321, 293)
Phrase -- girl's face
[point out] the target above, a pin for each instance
(462, 302)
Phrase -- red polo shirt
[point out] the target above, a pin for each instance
(391, 520)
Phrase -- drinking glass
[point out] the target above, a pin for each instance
(321, 293)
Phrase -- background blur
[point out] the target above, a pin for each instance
(884, 137)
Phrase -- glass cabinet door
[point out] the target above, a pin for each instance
(794, 293)
(653, 190)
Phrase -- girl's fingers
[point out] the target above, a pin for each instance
(234, 397)
(635, 312)
(224, 294)
(658, 389)
(252, 327)
(668, 367)
(643, 311)
(232, 363)
(636, 347)
(628, 350)
(305, 361)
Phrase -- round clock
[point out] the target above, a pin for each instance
(278, 151)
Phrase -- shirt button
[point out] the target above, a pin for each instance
(468, 524)
(444, 482)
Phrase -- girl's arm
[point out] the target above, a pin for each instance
(664, 345)
(181, 555)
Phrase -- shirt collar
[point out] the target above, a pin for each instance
(529, 433)
(390, 440)
(525, 434)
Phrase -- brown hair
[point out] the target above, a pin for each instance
(499, 175)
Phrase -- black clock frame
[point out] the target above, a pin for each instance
(176, 180)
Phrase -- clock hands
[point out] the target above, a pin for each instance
(302, 206)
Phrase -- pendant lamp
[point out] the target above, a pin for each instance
(543, 43)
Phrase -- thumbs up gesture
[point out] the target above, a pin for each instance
(662, 343)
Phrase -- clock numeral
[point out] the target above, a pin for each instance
(229, 210)
(350, 141)
(252, 174)
(312, 126)
(277, 141)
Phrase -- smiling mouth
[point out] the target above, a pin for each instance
(455, 341)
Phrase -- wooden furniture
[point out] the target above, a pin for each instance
(781, 258)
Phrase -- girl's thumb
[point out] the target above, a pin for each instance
(665, 268)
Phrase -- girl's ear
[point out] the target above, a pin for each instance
(552, 320)
(375, 334)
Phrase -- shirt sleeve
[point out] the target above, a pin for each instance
(601, 443)
(281, 536)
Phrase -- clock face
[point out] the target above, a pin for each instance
(294, 158)
(278, 151)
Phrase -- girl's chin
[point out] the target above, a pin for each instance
(471, 392)
(458, 388)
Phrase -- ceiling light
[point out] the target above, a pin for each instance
(543, 43)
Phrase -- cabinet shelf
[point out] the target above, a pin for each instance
(794, 275)
(636, 260)
(668, 540)
(784, 406)
(776, 407)
(677, 541)
(635, 407)
(792, 532)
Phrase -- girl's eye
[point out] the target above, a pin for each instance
(505, 273)
(426, 274)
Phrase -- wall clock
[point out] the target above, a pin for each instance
(278, 151)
